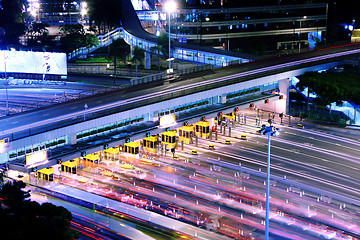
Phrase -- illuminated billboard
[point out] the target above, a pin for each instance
(167, 120)
(36, 157)
(33, 62)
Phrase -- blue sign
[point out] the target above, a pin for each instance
(182, 40)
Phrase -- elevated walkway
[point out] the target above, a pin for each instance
(133, 33)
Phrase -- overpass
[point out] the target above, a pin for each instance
(67, 129)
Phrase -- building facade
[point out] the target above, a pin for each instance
(280, 27)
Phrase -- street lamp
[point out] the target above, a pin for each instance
(269, 131)
(83, 11)
(300, 34)
(170, 6)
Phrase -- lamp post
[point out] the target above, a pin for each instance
(300, 35)
(170, 7)
(6, 84)
(269, 131)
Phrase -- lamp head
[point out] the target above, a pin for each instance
(170, 6)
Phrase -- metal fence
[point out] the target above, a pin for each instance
(164, 75)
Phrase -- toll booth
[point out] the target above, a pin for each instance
(168, 139)
(202, 129)
(186, 133)
(230, 116)
(150, 144)
(91, 160)
(69, 166)
(46, 174)
(111, 153)
(131, 148)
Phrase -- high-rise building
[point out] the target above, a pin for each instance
(277, 26)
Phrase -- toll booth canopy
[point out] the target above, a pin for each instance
(91, 159)
(46, 174)
(110, 153)
(202, 129)
(169, 138)
(230, 116)
(131, 148)
(69, 166)
(150, 144)
(186, 133)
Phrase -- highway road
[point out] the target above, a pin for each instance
(22, 98)
(76, 108)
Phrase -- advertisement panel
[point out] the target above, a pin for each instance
(33, 62)
(37, 157)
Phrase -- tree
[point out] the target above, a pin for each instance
(104, 13)
(90, 40)
(11, 193)
(21, 218)
(331, 86)
(138, 57)
(74, 37)
(118, 48)
(159, 47)
(38, 35)
(11, 25)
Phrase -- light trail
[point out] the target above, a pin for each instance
(172, 90)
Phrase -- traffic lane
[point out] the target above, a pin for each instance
(302, 201)
(309, 162)
(117, 227)
(284, 166)
(307, 154)
(336, 144)
(304, 137)
(346, 167)
(201, 204)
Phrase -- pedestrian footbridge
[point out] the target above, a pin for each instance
(133, 34)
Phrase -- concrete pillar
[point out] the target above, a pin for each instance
(131, 51)
(284, 90)
(71, 139)
(147, 60)
(223, 98)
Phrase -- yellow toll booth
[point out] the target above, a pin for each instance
(91, 160)
(46, 174)
(69, 166)
(168, 139)
(185, 133)
(202, 129)
(131, 148)
(150, 144)
(230, 116)
(111, 153)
